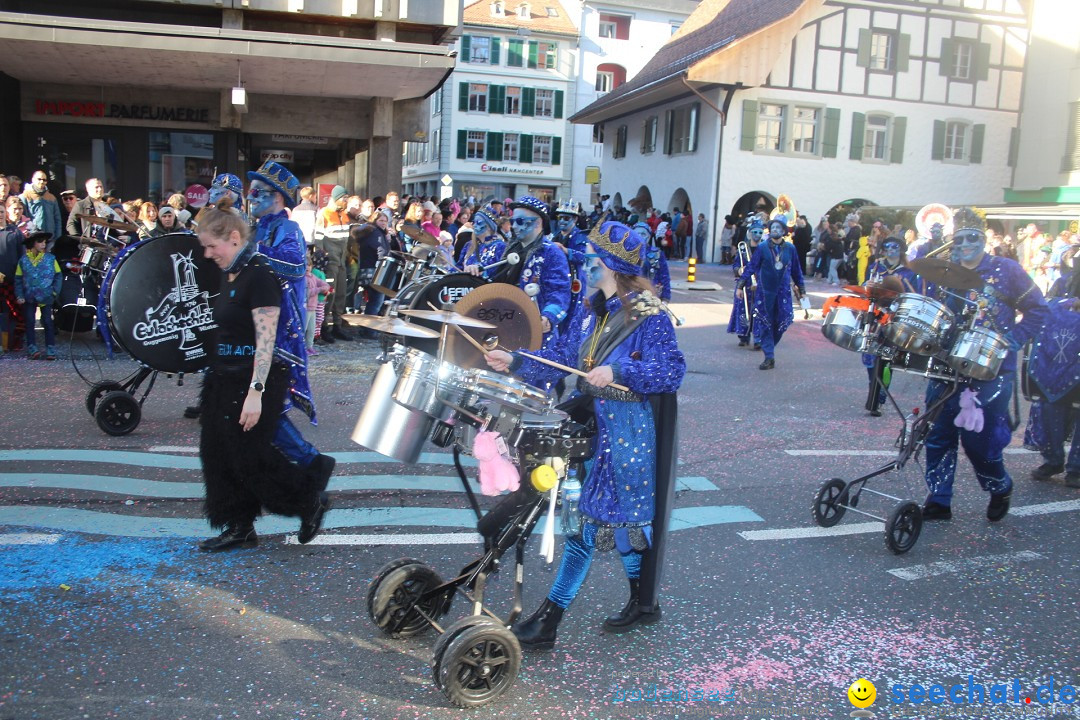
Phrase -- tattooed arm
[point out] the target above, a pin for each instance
(266, 322)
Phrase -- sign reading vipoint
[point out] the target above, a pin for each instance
(196, 195)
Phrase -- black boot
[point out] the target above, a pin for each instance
(633, 614)
(235, 535)
(538, 632)
(311, 524)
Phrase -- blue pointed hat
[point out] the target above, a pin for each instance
(276, 176)
(619, 247)
(233, 185)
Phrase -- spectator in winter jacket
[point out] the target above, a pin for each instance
(42, 206)
(37, 284)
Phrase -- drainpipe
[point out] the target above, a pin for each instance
(719, 151)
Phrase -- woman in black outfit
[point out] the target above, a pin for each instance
(242, 398)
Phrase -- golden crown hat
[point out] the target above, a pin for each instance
(603, 242)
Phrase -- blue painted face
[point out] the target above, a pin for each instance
(261, 198)
(525, 226)
(594, 271)
(777, 230)
(892, 251)
(217, 192)
(483, 229)
(969, 244)
(935, 231)
(565, 223)
(754, 234)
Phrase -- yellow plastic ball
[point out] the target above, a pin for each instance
(543, 478)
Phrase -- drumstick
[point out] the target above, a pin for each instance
(567, 368)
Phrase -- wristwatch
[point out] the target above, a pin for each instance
(257, 387)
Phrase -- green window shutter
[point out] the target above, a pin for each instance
(948, 57)
(903, 52)
(1014, 143)
(463, 97)
(695, 123)
(462, 139)
(525, 148)
(981, 58)
(899, 129)
(533, 46)
(862, 58)
(937, 147)
(858, 135)
(556, 150)
(514, 53)
(978, 132)
(558, 104)
(466, 47)
(749, 126)
(496, 99)
(669, 130)
(832, 132)
(494, 51)
(493, 146)
(528, 102)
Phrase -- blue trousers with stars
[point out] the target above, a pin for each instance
(1060, 420)
(983, 449)
(292, 444)
(576, 559)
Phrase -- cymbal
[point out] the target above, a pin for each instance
(104, 222)
(86, 243)
(415, 234)
(874, 291)
(448, 317)
(514, 312)
(947, 274)
(391, 325)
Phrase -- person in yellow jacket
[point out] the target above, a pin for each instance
(862, 255)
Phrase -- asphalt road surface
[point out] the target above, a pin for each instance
(107, 610)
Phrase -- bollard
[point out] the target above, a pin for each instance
(691, 269)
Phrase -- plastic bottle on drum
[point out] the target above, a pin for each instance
(571, 495)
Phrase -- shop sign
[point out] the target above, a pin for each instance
(279, 156)
(196, 195)
(511, 170)
(161, 113)
(299, 139)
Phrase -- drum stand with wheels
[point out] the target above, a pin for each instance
(113, 405)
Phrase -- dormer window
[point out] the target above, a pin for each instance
(497, 9)
(524, 11)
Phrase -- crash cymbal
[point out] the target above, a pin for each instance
(857, 290)
(947, 274)
(448, 317)
(415, 234)
(105, 222)
(515, 314)
(391, 326)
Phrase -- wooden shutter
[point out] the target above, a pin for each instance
(980, 57)
(858, 135)
(528, 102)
(695, 124)
(832, 132)
(466, 48)
(497, 99)
(978, 132)
(669, 130)
(514, 53)
(532, 53)
(862, 59)
(462, 140)
(749, 126)
(937, 147)
(463, 97)
(494, 146)
(558, 104)
(525, 148)
(899, 129)
(556, 150)
(903, 52)
(948, 57)
(494, 51)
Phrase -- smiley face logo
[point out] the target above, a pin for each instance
(862, 693)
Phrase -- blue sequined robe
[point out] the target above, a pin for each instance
(576, 249)
(737, 322)
(656, 270)
(484, 254)
(773, 311)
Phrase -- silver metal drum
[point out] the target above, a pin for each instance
(919, 324)
(423, 383)
(507, 392)
(978, 353)
(847, 327)
(387, 427)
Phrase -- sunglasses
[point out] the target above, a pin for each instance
(891, 246)
(969, 238)
(258, 192)
(524, 221)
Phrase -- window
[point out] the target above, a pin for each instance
(497, 9)
(510, 147)
(552, 12)
(548, 55)
(881, 51)
(475, 145)
(956, 133)
(962, 57)
(524, 12)
(513, 101)
(478, 96)
(675, 27)
(605, 81)
(682, 129)
(545, 103)
(770, 127)
(436, 149)
(598, 133)
(804, 130)
(541, 150)
(648, 134)
(619, 151)
(876, 142)
(436, 101)
(607, 28)
(480, 50)
(616, 27)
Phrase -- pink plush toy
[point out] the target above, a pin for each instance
(970, 416)
(496, 472)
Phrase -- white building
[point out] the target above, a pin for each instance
(498, 124)
(897, 104)
(617, 38)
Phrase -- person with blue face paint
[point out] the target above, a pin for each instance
(485, 248)
(655, 267)
(925, 246)
(226, 191)
(741, 322)
(775, 264)
(273, 189)
(572, 241)
(1007, 290)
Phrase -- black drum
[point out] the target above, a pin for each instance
(437, 291)
(159, 300)
(77, 304)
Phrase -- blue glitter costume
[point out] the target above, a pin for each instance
(773, 312)
(484, 254)
(575, 258)
(1054, 366)
(737, 323)
(655, 267)
(546, 268)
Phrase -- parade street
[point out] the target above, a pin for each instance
(108, 610)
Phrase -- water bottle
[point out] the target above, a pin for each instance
(571, 494)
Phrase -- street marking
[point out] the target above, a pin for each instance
(29, 538)
(878, 453)
(1046, 508)
(428, 539)
(179, 462)
(813, 532)
(172, 449)
(700, 484)
(920, 572)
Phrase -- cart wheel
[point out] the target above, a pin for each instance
(382, 573)
(479, 665)
(903, 527)
(118, 413)
(451, 632)
(395, 599)
(827, 510)
(97, 390)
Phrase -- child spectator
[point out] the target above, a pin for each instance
(319, 261)
(37, 284)
(316, 295)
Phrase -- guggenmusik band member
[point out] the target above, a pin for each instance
(243, 395)
(572, 241)
(775, 264)
(621, 335)
(1007, 289)
(486, 246)
(738, 322)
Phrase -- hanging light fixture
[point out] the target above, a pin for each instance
(239, 93)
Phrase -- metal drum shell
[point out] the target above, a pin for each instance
(919, 324)
(388, 427)
(507, 392)
(422, 383)
(978, 353)
(391, 275)
(844, 326)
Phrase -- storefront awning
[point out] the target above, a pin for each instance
(78, 51)
(1032, 212)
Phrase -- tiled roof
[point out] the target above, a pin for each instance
(735, 20)
(479, 13)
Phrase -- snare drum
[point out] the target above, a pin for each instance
(919, 324)
(847, 322)
(94, 260)
(423, 384)
(928, 366)
(531, 425)
(978, 353)
(506, 391)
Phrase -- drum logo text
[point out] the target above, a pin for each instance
(183, 312)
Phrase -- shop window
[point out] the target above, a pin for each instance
(180, 159)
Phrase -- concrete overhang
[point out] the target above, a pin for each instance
(75, 51)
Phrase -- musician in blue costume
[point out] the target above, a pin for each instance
(775, 264)
(621, 335)
(655, 269)
(738, 323)
(273, 189)
(485, 248)
(1007, 290)
(572, 241)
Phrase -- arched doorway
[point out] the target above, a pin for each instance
(752, 202)
(616, 201)
(840, 211)
(679, 199)
(642, 201)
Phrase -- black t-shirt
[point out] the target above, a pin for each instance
(256, 286)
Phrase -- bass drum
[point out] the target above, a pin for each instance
(437, 291)
(159, 296)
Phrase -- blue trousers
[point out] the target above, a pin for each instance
(983, 449)
(292, 444)
(30, 309)
(769, 339)
(576, 559)
(1060, 420)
